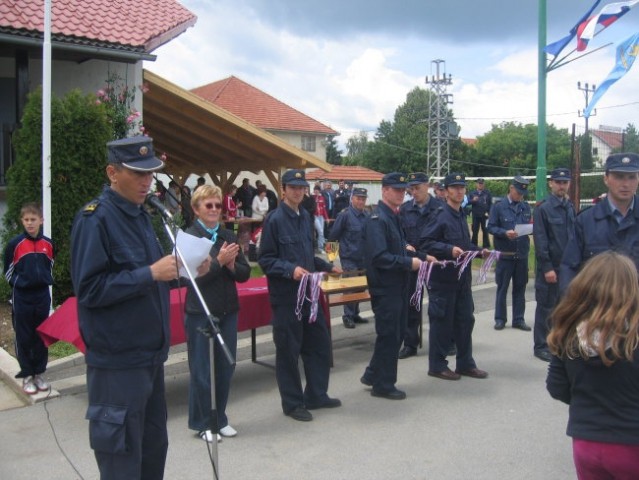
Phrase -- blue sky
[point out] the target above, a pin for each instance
(350, 63)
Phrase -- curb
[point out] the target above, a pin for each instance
(8, 369)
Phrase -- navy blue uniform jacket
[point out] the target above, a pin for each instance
(503, 217)
(348, 229)
(385, 254)
(554, 230)
(287, 242)
(123, 312)
(414, 219)
(446, 228)
(597, 230)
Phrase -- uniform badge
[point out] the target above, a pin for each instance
(144, 150)
(90, 207)
(298, 175)
(625, 160)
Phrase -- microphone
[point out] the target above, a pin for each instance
(153, 201)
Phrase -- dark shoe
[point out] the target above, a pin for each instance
(543, 355)
(447, 374)
(473, 372)
(300, 414)
(327, 403)
(452, 351)
(407, 352)
(522, 326)
(359, 319)
(349, 323)
(392, 395)
(499, 325)
(366, 381)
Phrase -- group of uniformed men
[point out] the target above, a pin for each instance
(115, 252)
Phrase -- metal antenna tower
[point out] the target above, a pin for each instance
(441, 127)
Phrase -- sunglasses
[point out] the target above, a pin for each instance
(210, 205)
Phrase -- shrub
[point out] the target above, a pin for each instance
(79, 132)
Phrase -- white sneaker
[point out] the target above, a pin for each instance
(207, 436)
(28, 386)
(228, 431)
(40, 383)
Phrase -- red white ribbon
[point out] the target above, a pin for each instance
(313, 281)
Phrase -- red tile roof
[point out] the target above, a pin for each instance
(471, 142)
(259, 108)
(350, 174)
(146, 24)
(611, 138)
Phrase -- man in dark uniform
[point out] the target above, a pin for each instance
(286, 254)
(480, 203)
(450, 304)
(388, 264)
(342, 198)
(554, 225)
(120, 278)
(413, 216)
(612, 224)
(504, 217)
(348, 229)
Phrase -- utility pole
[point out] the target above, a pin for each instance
(441, 127)
(587, 91)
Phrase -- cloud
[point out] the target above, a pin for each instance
(351, 64)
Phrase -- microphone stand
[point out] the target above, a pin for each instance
(211, 331)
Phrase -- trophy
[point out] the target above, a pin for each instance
(332, 250)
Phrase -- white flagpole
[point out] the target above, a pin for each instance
(46, 120)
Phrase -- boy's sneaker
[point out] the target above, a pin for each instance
(41, 384)
(28, 386)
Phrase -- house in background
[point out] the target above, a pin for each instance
(605, 139)
(266, 112)
(91, 40)
(359, 176)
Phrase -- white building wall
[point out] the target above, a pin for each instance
(295, 139)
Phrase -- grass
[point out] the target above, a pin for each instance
(61, 350)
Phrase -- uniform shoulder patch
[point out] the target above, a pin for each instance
(90, 207)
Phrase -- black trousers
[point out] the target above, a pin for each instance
(414, 317)
(127, 422)
(480, 221)
(547, 297)
(30, 309)
(294, 338)
(390, 324)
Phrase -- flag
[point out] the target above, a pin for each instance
(627, 51)
(555, 48)
(606, 17)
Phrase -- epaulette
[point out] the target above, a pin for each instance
(90, 207)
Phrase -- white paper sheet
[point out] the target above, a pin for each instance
(194, 249)
(524, 229)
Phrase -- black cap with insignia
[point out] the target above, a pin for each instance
(622, 162)
(134, 153)
(520, 184)
(296, 178)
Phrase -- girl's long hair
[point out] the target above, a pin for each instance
(605, 297)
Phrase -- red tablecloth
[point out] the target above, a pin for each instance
(255, 312)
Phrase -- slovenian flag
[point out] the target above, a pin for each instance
(555, 48)
(627, 52)
(606, 17)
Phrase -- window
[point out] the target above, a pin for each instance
(308, 143)
(595, 151)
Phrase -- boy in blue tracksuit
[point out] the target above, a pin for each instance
(28, 265)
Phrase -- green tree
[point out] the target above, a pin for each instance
(631, 139)
(333, 153)
(79, 132)
(510, 148)
(585, 152)
(356, 147)
(402, 144)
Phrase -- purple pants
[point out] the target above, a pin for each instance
(605, 461)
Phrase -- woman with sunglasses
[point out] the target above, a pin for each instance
(218, 289)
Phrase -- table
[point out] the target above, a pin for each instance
(255, 312)
(340, 291)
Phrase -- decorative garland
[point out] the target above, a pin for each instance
(313, 281)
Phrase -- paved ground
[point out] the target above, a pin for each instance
(505, 427)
